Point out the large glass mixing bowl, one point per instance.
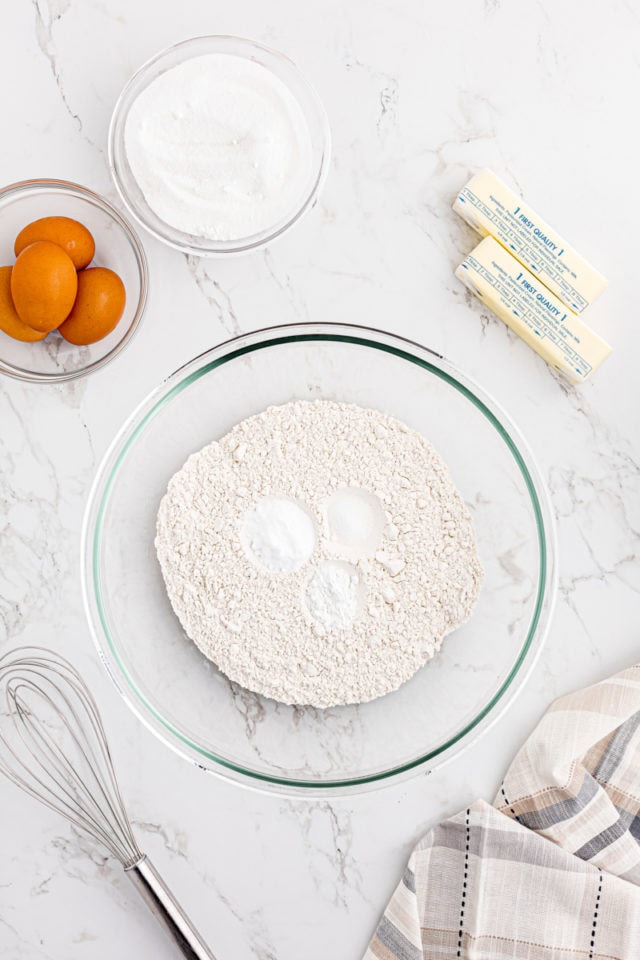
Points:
(222, 727)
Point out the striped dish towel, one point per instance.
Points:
(551, 871)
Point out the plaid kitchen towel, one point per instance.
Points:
(551, 871)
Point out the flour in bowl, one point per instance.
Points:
(318, 553)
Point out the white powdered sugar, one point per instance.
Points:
(318, 553)
(219, 147)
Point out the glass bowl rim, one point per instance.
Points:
(203, 364)
(177, 238)
(96, 199)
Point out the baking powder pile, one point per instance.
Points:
(318, 553)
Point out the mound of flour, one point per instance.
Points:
(318, 553)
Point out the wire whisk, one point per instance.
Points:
(53, 746)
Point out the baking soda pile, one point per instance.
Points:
(318, 553)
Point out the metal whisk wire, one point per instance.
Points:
(53, 746)
(51, 710)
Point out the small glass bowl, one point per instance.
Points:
(278, 64)
(218, 725)
(53, 360)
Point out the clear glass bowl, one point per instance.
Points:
(221, 727)
(117, 246)
(278, 64)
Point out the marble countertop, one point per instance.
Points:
(419, 96)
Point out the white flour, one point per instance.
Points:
(318, 553)
(219, 147)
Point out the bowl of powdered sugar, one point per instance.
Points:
(218, 145)
(318, 557)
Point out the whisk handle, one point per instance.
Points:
(164, 905)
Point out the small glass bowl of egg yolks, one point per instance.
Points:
(112, 270)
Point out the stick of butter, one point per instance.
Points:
(533, 312)
(491, 208)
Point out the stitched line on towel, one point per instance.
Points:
(511, 810)
(555, 788)
(595, 916)
(464, 883)
(494, 938)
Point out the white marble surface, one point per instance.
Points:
(419, 95)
